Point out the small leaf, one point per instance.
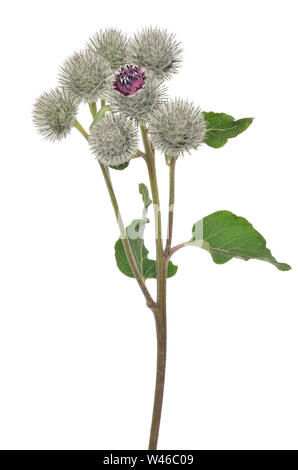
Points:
(172, 269)
(147, 267)
(221, 127)
(145, 195)
(100, 114)
(227, 236)
(120, 167)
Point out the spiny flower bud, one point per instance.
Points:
(86, 76)
(110, 44)
(54, 114)
(113, 139)
(177, 127)
(135, 93)
(157, 51)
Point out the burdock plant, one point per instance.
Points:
(128, 78)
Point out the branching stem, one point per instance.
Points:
(81, 129)
(138, 154)
(159, 308)
(177, 247)
(105, 171)
(106, 174)
(93, 109)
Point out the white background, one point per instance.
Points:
(77, 345)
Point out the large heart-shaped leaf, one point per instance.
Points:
(221, 127)
(227, 236)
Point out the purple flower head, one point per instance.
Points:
(129, 80)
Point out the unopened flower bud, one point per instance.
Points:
(177, 127)
(86, 76)
(157, 51)
(113, 140)
(110, 44)
(54, 114)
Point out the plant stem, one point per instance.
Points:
(159, 309)
(172, 166)
(160, 319)
(160, 314)
(125, 241)
(81, 129)
(147, 145)
(138, 154)
(177, 247)
(105, 171)
(161, 336)
(150, 161)
(93, 109)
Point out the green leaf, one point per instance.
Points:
(100, 114)
(145, 195)
(221, 127)
(147, 267)
(227, 236)
(120, 167)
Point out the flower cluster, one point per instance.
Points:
(130, 75)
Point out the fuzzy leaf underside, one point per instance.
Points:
(147, 267)
(227, 236)
(221, 127)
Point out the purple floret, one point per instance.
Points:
(129, 80)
